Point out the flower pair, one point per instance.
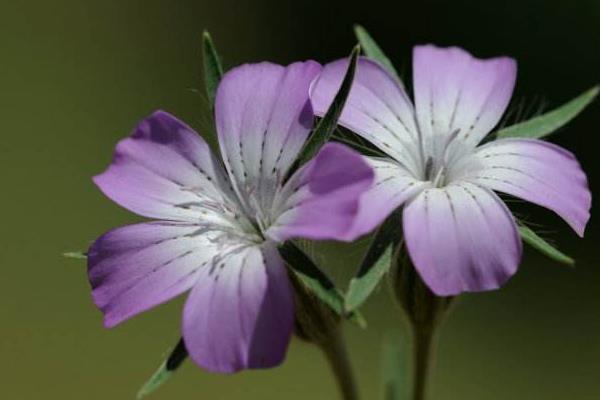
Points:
(220, 219)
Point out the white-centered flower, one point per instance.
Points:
(460, 235)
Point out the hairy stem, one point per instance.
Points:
(335, 351)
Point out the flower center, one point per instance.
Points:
(436, 175)
(442, 153)
(258, 211)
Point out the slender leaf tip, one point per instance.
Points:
(77, 255)
(537, 242)
(358, 28)
(213, 70)
(362, 287)
(327, 124)
(372, 50)
(545, 124)
(156, 380)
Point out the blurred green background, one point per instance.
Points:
(75, 76)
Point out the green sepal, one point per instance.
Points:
(326, 125)
(376, 262)
(77, 255)
(165, 371)
(213, 71)
(549, 122)
(316, 281)
(355, 142)
(535, 241)
(372, 49)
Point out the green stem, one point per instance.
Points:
(423, 349)
(337, 356)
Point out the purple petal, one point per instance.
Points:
(393, 185)
(263, 118)
(162, 169)
(136, 267)
(241, 313)
(539, 172)
(377, 108)
(321, 200)
(461, 238)
(455, 91)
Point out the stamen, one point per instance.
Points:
(260, 219)
(428, 167)
(438, 181)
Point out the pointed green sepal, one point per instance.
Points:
(78, 255)
(549, 122)
(213, 71)
(365, 282)
(165, 371)
(535, 241)
(326, 126)
(372, 49)
(376, 262)
(316, 281)
(355, 143)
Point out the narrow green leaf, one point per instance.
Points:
(166, 369)
(372, 49)
(549, 122)
(213, 71)
(375, 264)
(316, 280)
(535, 241)
(312, 276)
(78, 255)
(362, 286)
(156, 380)
(395, 357)
(326, 126)
(355, 142)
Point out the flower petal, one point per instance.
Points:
(321, 200)
(241, 313)
(136, 267)
(164, 170)
(377, 108)
(461, 238)
(456, 91)
(539, 172)
(393, 185)
(263, 118)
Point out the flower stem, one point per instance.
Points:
(337, 356)
(423, 348)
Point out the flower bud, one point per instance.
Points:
(423, 308)
(315, 320)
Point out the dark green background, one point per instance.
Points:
(75, 76)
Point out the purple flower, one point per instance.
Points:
(461, 237)
(217, 228)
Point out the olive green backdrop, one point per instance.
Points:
(75, 76)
